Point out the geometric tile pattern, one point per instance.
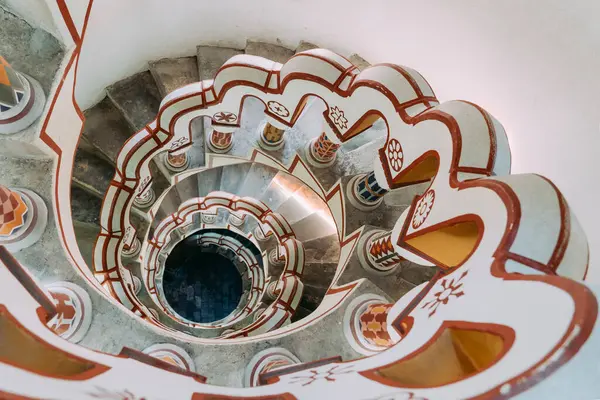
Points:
(373, 325)
(12, 211)
(382, 251)
(12, 89)
(324, 149)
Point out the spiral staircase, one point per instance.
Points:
(274, 241)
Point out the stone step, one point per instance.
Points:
(282, 186)
(377, 131)
(300, 313)
(209, 181)
(312, 296)
(318, 274)
(303, 46)
(257, 180)
(86, 235)
(138, 98)
(211, 58)
(359, 160)
(85, 207)
(30, 50)
(360, 62)
(314, 226)
(173, 73)
(301, 204)
(270, 51)
(187, 188)
(233, 176)
(92, 173)
(325, 249)
(106, 129)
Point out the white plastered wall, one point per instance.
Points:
(533, 64)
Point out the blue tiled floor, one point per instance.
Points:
(202, 287)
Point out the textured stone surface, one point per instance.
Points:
(209, 181)
(92, 173)
(357, 161)
(85, 207)
(233, 177)
(314, 226)
(106, 129)
(173, 73)
(319, 274)
(325, 249)
(197, 152)
(138, 99)
(187, 188)
(360, 62)
(312, 296)
(86, 235)
(303, 46)
(28, 49)
(211, 58)
(274, 196)
(257, 180)
(270, 51)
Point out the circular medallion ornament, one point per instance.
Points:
(225, 117)
(395, 155)
(278, 109)
(423, 208)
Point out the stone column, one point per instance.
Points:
(376, 252)
(177, 163)
(209, 219)
(74, 311)
(171, 354)
(145, 199)
(236, 219)
(23, 218)
(365, 324)
(133, 250)
(22, 99)
(321, 151)
(275, 260)
(265, 361)
(364, 192)
(258, 234)
(271, 137)
(220, 142)
(273, 290)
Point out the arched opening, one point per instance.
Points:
(448, 245)
(454, 353)
(422, 170)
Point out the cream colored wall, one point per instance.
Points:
(534, 67)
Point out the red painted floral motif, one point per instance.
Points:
(451, 287)
(326, 375)
(224, 116)
(278, 109)
(338, 118)
(179, 143)
(395, 155)
(423, 208)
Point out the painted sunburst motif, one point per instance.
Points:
(278, 109)
(451, 287)
(395, 155)
(338, 118)
(423, 208)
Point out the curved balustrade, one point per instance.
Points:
(284, 306)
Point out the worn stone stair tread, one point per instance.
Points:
(324, 249)
(173, 73)
(211, 58)
(312, 296)
(209, 181)
(30, 50)
(314, 226)
(270, 51)
(187, 188)
(257, 180)
(92, 173)
(360, 62)
(300, 313)
(357, 161)
(85, 207)
(138, 98)
(86, 235)
(233, 176)
(304, 46)
(279, 190)
(106, 129)
(319, 273)
(197, 152)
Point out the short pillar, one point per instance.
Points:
(22, 99)
(321, 151)
(209, 219)
(259, 235)
(178, 162)
(365, 324)
(364, 192)
(376, 252)
(146, 199)
(265, 361)
(220, 142)
(274, 258)
(236, 219)
(273, 290)
(132, 250)
(171, 354)
(73, 311)
(271, 137)
(23, 218)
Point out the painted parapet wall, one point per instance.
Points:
(536, 71)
